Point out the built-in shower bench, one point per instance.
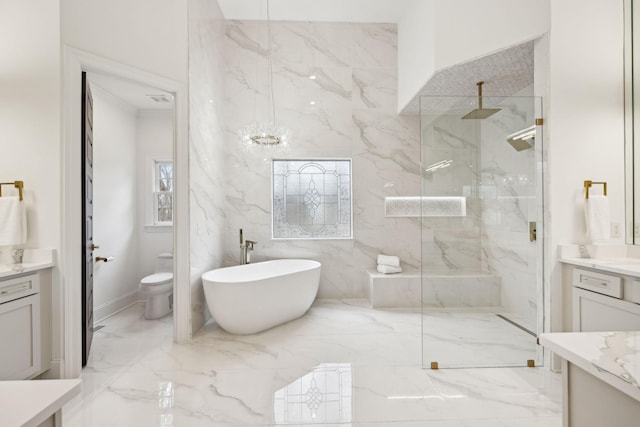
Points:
(394, 290)
(456, 289)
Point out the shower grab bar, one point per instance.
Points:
(18, 184)
(589, 183)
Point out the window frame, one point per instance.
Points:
(155, 180)
(313, 159)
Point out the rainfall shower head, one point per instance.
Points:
(480, 113)
(523, 139)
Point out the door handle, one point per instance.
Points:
(533, 234)
(94, 247)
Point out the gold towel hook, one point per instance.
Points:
(589, 183)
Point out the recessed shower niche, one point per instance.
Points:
(312, 199)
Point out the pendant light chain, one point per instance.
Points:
(271, 99)
(265, 134)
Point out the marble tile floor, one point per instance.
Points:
(342, 364)
(478, 339)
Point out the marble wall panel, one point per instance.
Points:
(207, 134)
(500, 185)
(507, 212)
(375, 88)
(347, 110)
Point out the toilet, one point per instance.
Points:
(157, 288)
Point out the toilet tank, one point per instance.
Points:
(164, 263)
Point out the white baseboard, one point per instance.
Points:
(114, 306)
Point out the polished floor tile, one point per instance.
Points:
(342, 364)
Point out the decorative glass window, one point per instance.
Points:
(163, 193)
(312, 199)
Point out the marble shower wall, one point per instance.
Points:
(451, 244)
(509, 203)
(347, 111)
(207, 146)
(500, 185)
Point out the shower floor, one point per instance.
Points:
(475, 339)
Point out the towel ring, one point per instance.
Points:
(589, 183)
(18, 184)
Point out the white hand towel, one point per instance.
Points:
(393, 261)
(596, 209)
(13, 221)
(387, 269)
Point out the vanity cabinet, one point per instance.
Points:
(604, 301)
(24, 326)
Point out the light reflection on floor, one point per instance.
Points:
(342, 364)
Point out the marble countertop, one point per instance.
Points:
(620, 259)
(33, 260)
(29, 403)
(625, 266)
(613, 357)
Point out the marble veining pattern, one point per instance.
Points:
(613, 357)
(206, 148)
(620, 356)
(342, 363)
(473, 159)
(335, 87)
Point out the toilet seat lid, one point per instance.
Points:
(157, 279)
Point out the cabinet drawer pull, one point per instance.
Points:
(594, 282)
(13, 290)
(605, 284)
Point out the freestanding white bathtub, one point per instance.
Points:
(245, 299)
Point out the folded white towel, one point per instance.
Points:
(393, 261)
(596, 209)
(13, 221)
(387, 269)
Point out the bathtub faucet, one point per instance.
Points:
(246, 246)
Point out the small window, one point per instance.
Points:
(163, 193)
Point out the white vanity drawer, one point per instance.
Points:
(597, 282)
(19, 287)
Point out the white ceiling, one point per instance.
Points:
(316, 10)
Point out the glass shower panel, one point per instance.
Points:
(481, 216)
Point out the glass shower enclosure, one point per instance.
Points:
(482, 212)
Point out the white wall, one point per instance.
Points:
(115, 199)
(585, 118)
(154, 134)
(30, 112)
(150, 35)
(459, 31)
(30, 124)
(416, 57)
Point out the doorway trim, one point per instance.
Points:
(67, 298)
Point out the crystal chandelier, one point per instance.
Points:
(265, 134)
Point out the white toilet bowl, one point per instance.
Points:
(157, 288)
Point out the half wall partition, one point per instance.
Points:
(481, 161)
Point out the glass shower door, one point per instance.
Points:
(481, 222)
